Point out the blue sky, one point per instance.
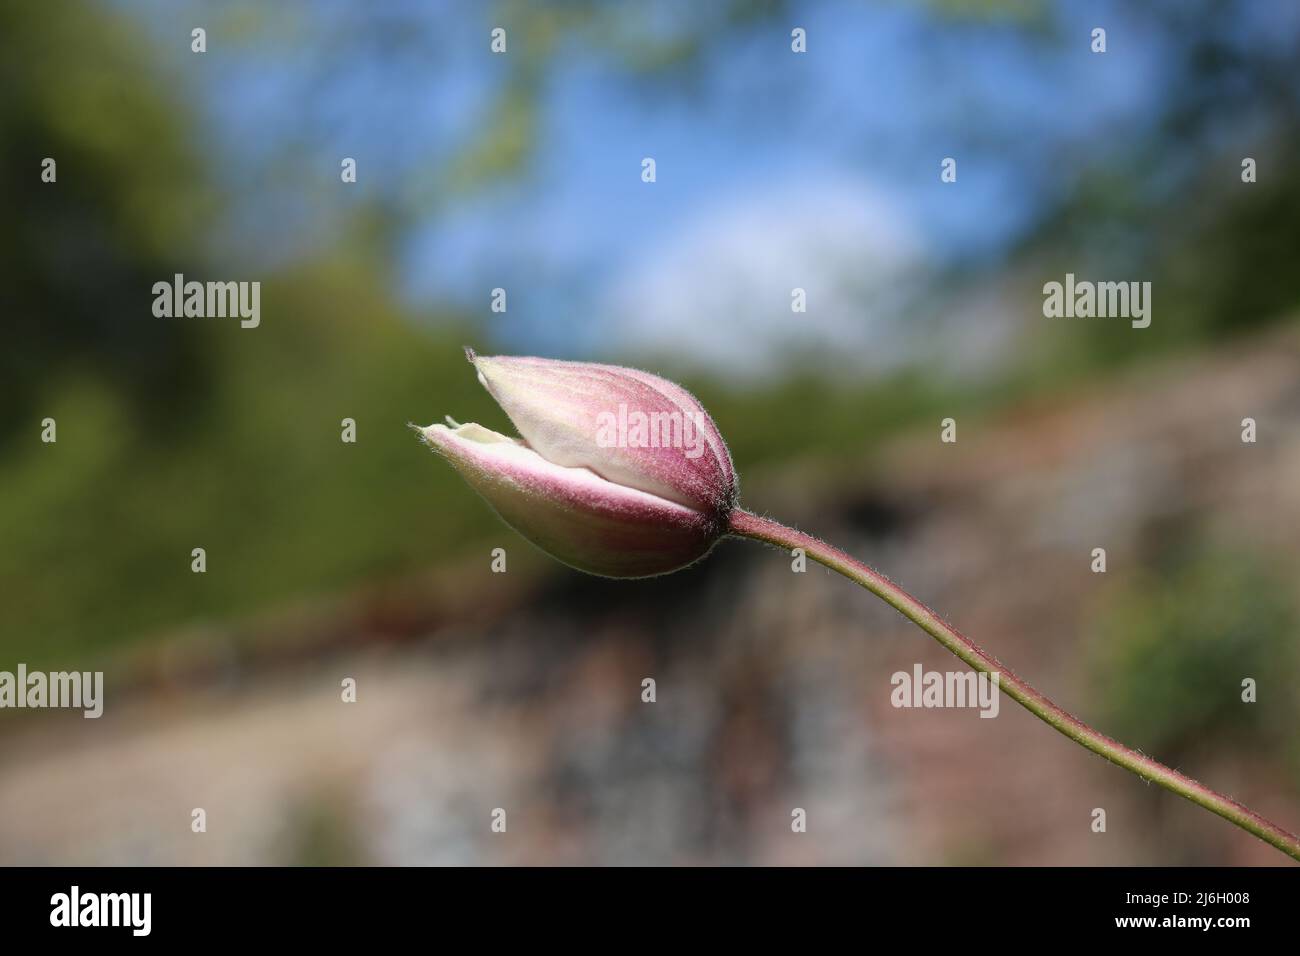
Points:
(761, 156)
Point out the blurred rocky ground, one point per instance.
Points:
(522, 691)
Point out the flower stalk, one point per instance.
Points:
(621, 473)
(745, 524)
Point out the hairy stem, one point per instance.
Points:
(747, 525)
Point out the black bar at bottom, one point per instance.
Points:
(605, 906)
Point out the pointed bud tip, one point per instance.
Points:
(470, 355)
(425, 433)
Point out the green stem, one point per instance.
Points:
(747, 525)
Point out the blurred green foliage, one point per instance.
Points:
(78, 258)
(98, 528)
(322, 830)
(177, 435)
(1176, 643)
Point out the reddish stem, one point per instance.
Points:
(747, 525)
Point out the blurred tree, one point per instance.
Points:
(78, 256)
(193, 433)
(1164, 198)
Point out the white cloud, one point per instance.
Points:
(716, 292)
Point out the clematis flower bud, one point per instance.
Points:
(617, 472)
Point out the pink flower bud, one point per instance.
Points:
(618, 472)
